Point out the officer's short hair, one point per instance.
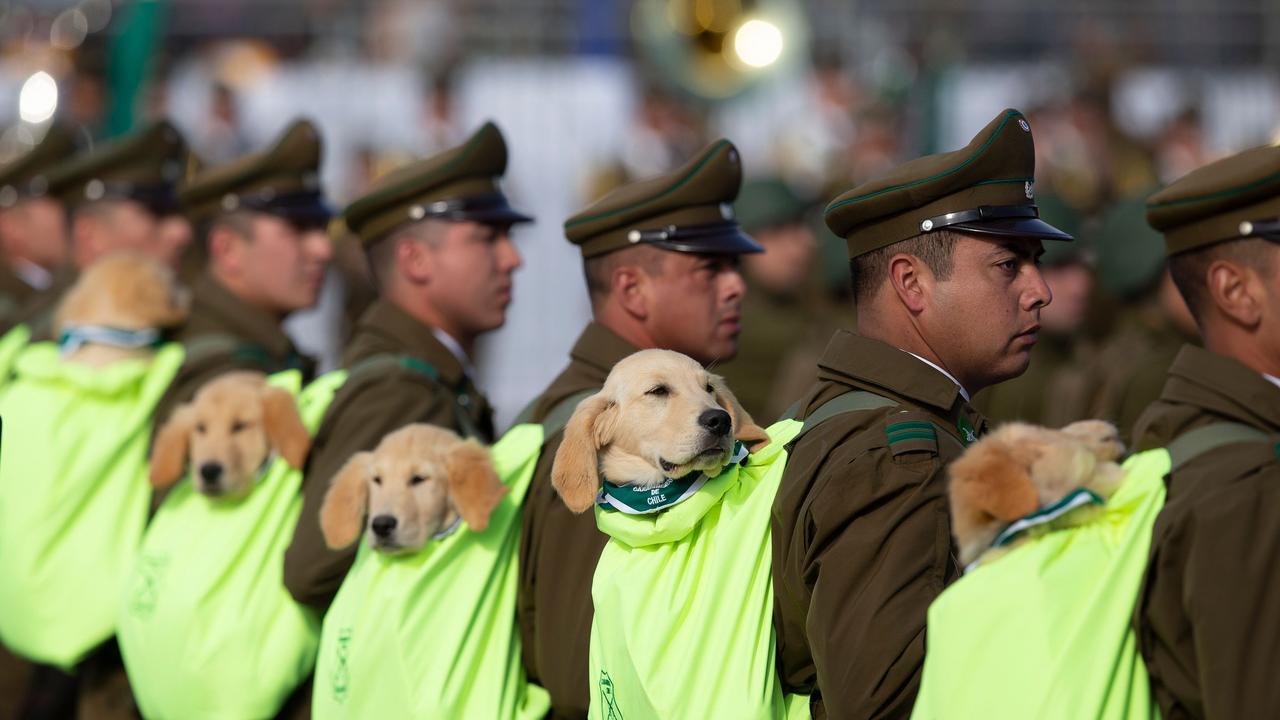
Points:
(1189, 269)
(381, 253)
(871, 270)
(599, 269)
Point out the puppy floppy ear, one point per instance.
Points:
(575, 474)
(744, 428)
(474, 487)
(988, 488)
(283, 426)
(342, 514)
(172, 443)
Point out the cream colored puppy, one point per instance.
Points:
(418, 483)
(117, 308)
(1021, 468)
(228, 431)
(660, 415)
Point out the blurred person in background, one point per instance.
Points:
(1151, 322)
(221, 138)
(120, 196)
(1056, 388)
(664, 130)
(33, 224)
(787, 320)
(264, 219)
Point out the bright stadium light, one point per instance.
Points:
(38, 98)
(758, 43)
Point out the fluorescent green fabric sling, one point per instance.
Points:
(432, 635)
(73, 496)
(683, 623)
(207, 629)
(1044, 631)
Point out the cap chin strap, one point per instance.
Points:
(459, 208)
(77, 336)
(1265, 229)
(979, 214)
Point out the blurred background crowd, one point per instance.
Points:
(818, 95)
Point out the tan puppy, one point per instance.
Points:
(1019, 469)
(123, 291)
(660, 415)
(228, 430)
(418, 482)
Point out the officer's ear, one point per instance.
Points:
(284, 427)
(575, 474)
(474, 487)
(342, 513)
(744, 428)
(172, 445)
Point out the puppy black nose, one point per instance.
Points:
(717, 421)
(211, 471)
(383, 525)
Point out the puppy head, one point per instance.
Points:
(659, 415)
(417, 482)
(228, 430)
(1020, 468)
(124, 290)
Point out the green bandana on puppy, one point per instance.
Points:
(642, 501)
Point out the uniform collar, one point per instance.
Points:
(881, 366)
(398, 333)
(600, 348)
(1272, 379)
(1217, 383)
(963, 393)
(455, 349)
(233, 316)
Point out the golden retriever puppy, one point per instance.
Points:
(660, 415)
(1021, 468)
(418, 483)
(116, 309)
(229, 430)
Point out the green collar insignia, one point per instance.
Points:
(636, 501)
(967, 433)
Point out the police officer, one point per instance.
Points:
(943, 253)
(121, 196)
(1206, 623)
(263, 220)
(33, 224)
(661, 263)
(438, 237)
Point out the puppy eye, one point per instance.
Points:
(417, 480)
(200, 428)
(710, 389)
(659, 391)
(238, 425)
(377, 480)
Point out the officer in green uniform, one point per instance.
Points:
(438, 236)
(1150, 326)
(33, 225)
(661, 263)
(943, 254)
(1057, 387)
(120, 196)
(263, 220)
(1206, 621)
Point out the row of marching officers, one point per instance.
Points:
(194, 525)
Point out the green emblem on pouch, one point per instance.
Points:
(607, 699)
(146, 591)
(340, 681)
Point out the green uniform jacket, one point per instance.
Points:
(1206, 619)
(370, 405)
(254, 339)
(861, 535)
(559, 550)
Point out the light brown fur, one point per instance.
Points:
(627, 431)
(1020, 468)
(454, 477)
(233, 422)
(127, 291)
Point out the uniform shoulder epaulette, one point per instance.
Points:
(911, 431)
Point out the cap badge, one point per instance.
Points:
(1030, 189)
(230, 201)
(926, 226)
(94, 189)
(726, 211)
(1022, 123)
